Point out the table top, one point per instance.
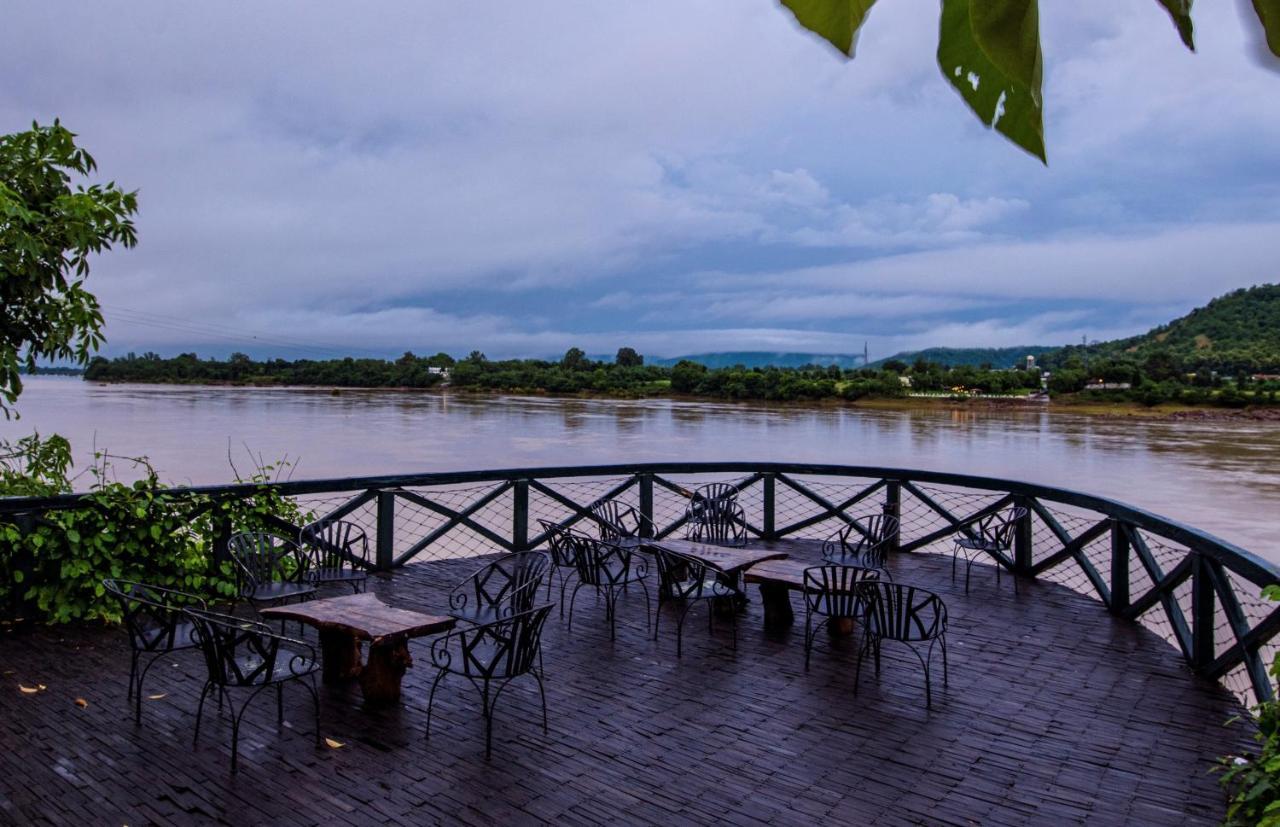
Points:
(728, 559)
(789, 573)
(363, 615)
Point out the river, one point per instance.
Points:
(1217, 475)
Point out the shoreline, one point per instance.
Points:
(1092, 408)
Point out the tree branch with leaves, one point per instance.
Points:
(989, 51)
(49, 229)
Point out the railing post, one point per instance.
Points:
(1202, 612)
(646, 505)
(768, 526)
(893, 508)
(1023, 538)
(1119, 569)
(520, 516)
(386, 540)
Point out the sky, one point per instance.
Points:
(679, 176)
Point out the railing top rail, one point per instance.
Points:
(1230, 555)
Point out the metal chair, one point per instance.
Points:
(156, 625)
(560, 543)
(338, 552)
(831, 593)
(271, 569)
(507, 586)
(617, 521)
(689, 579)
(912, 616)
(610, 570)
(712, 495)
(720, 522)
(246, 654)
(863, 543)
(492, 652)
(992, 535)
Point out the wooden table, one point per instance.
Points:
(728, 559)
(344, 622)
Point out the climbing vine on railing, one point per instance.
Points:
(51, 569)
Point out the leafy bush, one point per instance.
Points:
(1254, 781)
(53, 566)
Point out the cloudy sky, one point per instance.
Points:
(678, 176)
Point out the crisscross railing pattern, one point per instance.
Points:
(1199, 593)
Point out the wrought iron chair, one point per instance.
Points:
(863, 543)
(831, 593)
(719, 521)
(617, 521)
(711, 495)
(689, 579)
(247, 654)
(912, 616)
(610, 570)
(992, 535)
(492, 652)
(563, 549)
(507, 586)
(338, 552)
(271, 569)
(156, 624)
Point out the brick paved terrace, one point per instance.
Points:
(1056, 713)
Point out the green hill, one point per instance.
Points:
(757, 359)
(950, 357)
(1235, 333)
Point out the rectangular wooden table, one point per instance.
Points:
(728, 559)
(344, 622)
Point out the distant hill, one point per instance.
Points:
(1236, 332)
(998, 357)
(760, 359)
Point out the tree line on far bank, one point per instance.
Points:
(1157, 379)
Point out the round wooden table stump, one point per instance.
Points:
(339, 655)
(381, 677)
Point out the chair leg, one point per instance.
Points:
(200, 708)
(955, 552)
(133, 673)
(488, 721)
(315, 703)
(279, 703)
(537, 674)
(572, 598)
(648, 606)
(431, 699)
(657, 614)
(968, 568)
(808, 639)
(942, 638)
(857, 665)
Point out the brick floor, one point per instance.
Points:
(1055, 714)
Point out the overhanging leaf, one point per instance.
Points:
(1269, 15)
(989, 50)
(1180, 11)
(837, 21)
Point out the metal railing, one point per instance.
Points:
(1200, 593)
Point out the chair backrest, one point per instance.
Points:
(263, 558)
(237, 652)
(901, 612)
(507, 586)
(996, 529)
(686, 576)
(616, 520)
(833, 590)
(602, 563)
(335, 545)
(503, 648)
(865, 540)
(708, 499)
(722, 522)
(152, 614)
(559, 543)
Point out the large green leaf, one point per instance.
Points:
(1269, 14)
(1180, 11)
(837, 21)
(989, 50)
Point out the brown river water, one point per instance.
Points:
(1221, 476)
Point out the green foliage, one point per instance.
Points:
(989, 50)
(52, 569)
(628, 358)
(997, 42)
(408, 371)
(1253, 781)
(48, 231)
